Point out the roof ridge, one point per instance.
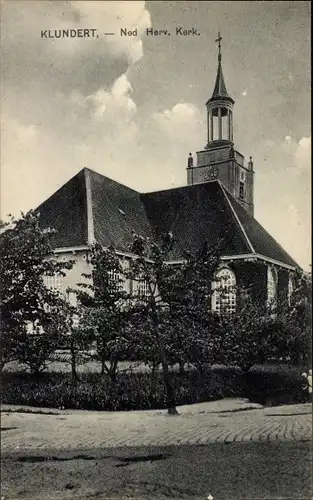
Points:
(225, 192)
(110, 179)
(256, 222)
(90, 221)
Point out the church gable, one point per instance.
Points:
(195, 215)
(66, 212)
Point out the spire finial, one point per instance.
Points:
(218, 40)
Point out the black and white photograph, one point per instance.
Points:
(155, 250)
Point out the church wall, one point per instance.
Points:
(199, 174)
(74, 275)
(81, 266)
(282, 286)
(226, 175)
(212, 156)
(253, 277)
(249, 191)
(190, 176)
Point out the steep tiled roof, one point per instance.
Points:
(195, 215)
(66, 211)
(117, 211)
(91, 204)
(220, 91)
(262, 242)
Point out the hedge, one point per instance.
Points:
(141, 391)
(131, 391)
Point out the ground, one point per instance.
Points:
(235, 471)
(229, 449)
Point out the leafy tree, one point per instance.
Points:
(74, 341)
(175, 305)
(36, 345)
(255, 334)
(31, 313)
(250, 335)
(297, 318)
(103, 311)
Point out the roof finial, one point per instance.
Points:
(218, 40)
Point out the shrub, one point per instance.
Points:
(275, 384)
(132, 391)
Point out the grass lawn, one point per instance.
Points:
(235, 471)
(89, 367)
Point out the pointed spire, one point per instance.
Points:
(220, 91)
(220, 87)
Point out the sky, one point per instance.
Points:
(133, 107)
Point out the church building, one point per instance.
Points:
(215, 207)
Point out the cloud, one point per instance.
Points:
(185, 112)
(67, 104)
(104, 122)
(111, 17)
(284, 174)
(117, 104)
(24, 22)
(67, 63)
(302, 154)
(102, 131)
(183, 123)
(96, 131)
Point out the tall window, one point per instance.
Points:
(142, 289)
(224, 294)
(55, 283)
(241, 190)
(271, 286)
(291, 288)
(118, 275)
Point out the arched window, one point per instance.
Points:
(271, 287)
(291, 287)
(224, 294)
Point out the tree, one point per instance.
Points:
(75, 341)
(188, 293)
(250, 335)
(175, 303)
(255, 334)
(103, 311)
(31, 313)
(297, 317)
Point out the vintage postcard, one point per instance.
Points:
(155, 250)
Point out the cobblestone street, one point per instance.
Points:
(227, 421)
(66, 454)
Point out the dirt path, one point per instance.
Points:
(235, 471)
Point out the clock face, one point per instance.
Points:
(211, 173)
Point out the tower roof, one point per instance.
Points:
(220, 91)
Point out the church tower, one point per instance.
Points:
(220, 160)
